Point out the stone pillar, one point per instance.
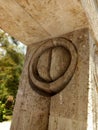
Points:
(32, 107)
(74, 108)
(55, 91)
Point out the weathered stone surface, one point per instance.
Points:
(60, 61)
(31, 21)
(57, 60)
(43, 65)
(70, 108)
(56, 16)
(31, 109)
(91, 10)
(59, 68)
(18, 23)
(92, 117)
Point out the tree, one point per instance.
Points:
(11, 63)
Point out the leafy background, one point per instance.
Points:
(11, 64)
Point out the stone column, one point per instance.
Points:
(74, 108)
(32, 107)
(55, 91)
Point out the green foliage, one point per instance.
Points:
(5, 113)
(11, 64)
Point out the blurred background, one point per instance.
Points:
(12, 55)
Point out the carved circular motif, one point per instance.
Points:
(53, 65)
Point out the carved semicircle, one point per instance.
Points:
(53, 65)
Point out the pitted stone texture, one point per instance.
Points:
(31, 109)
(32, 21)
(43, 66)
(91, 10)
(60, 61)
(57, 59)
(69, 108)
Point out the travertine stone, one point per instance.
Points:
(70, 108)
(60, 61)
(32, 109)
(60, 66)
(56, 16)
(92, 118)
(54, 59)
(18, 23)
(31, 21)
(91, 10)
(43, 66)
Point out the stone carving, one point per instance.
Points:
(53, 65)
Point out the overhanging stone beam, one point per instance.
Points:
(33, 21)
(18, 23)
